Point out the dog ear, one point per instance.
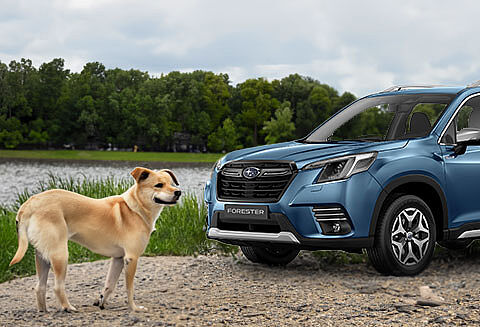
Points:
(168, 171)
(140, 174)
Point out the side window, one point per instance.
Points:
(463, 117)
(450, 135)
(465, 125)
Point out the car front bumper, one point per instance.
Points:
(291, 220)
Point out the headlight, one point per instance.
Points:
(342, 167)
(217, 166)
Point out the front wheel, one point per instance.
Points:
(405, 238)
(272, 255)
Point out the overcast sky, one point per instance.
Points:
(358, 46)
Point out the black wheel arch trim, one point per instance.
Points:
(414, 178)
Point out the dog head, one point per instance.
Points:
(159, 187)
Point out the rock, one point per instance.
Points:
(438, 320)
(405, 308)
(461, 316)
(253, 314)
(428, 303)
(429, 298)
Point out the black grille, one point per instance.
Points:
(272, 181)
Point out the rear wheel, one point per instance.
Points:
(272, 255)
(405, 238)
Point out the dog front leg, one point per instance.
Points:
(130, 269)
(116, 266)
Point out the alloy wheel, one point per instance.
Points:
(410, 236)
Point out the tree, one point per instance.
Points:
(10, 132)
(313, 111)
(257, 105)
(225, 138)
(53, 106)
(281, 128)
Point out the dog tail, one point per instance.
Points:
(22, 239)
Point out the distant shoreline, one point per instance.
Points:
(154, 159)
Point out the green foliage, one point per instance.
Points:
(10, 132)
(225, 138)
(257, 105)
(281, 128)
(178, 230)
(111, 155)
(51, 106)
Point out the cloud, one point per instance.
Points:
(357, 46)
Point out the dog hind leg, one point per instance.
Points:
(43, 267)
(116, 266)
(59, 262)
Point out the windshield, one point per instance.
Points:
(383, 118)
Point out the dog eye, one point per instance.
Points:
(159, 185)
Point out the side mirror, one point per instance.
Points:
(466, 137)
(460, 148)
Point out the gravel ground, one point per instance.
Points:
(217, 291)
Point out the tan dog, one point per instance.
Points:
(117, 226)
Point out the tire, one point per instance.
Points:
(456, 244)
(273, 255)
(405, 238)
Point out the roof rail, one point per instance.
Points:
(409, 87)
(474, 84)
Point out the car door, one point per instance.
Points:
(462, 172)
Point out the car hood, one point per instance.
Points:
(305, 153)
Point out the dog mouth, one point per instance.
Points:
(159, 201)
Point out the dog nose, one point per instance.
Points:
(177, 193)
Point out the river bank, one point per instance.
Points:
(81, 155)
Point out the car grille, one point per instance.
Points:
(272, 181)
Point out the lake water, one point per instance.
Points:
(18, 175)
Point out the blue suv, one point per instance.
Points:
(393, 173)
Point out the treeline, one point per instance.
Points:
(51, 107)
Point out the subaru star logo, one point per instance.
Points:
(251, 172)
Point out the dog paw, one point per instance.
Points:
(100, 304)
(70, 309)
(139, 308)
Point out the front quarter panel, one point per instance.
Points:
(417, 158)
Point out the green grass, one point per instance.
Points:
(179, 228)
(110, 155)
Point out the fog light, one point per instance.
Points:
(336, 228)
